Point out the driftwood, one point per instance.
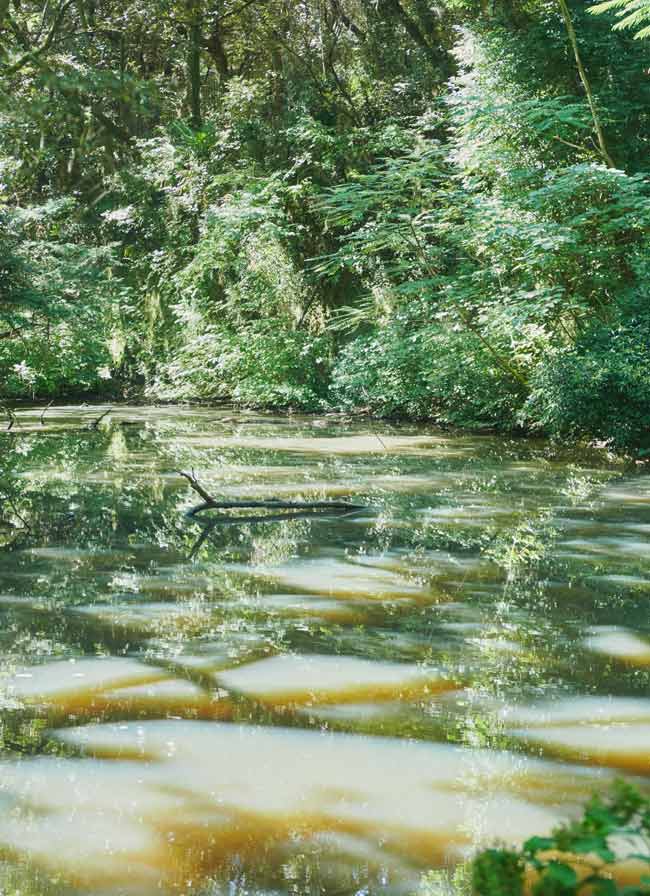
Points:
(211, 503)
(207, 528)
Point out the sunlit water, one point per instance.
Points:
(323, 704)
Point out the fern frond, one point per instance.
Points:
(633, 14)
(609, 5)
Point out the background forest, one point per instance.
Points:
(433, 210)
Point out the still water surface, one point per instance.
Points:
(313, 704)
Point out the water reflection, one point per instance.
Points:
(311, 703)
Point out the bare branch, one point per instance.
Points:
(10, 416)
(44, 411)
(95, 423)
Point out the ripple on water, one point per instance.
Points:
(341, 445)
(612, 731)
(620, 644)
(210, 792)
(302, 679)
(315, 614)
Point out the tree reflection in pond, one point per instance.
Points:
(304, 655)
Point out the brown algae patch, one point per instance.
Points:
(612, 731)
(620, 745)
(85, 687)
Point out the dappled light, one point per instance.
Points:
(370, 694)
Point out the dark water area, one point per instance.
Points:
(321, 704)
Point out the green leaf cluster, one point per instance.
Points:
(578, 857)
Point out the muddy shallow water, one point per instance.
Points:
(314, 704)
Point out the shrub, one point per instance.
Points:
(598, 388)
(429, 372)
(257, 365)
(58, 307)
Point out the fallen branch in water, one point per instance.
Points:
(211, 503)
(10, 415)
(95, 423)
(207, 528)
(44, 411)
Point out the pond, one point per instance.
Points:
(305, 702)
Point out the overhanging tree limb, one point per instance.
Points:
(347, 21)
(33, 54)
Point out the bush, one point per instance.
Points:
(425, 373)
(243, 326)
(258, 365)
(58, 307)
(598, 388)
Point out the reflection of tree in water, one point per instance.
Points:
(94, 525)
(112, 502)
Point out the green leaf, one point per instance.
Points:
(596, 845)
(538, 844)
(562, 873)
(602, 886)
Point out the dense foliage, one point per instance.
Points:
(431, 210)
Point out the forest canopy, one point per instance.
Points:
(431, 210)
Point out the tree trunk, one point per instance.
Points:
(194, 63)
(217, 51)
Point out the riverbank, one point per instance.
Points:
(599, 451)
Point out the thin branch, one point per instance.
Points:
(568, 24)
(571, 145)
(41, 27)
(196, 485)
(10, 416)
(347, 21)
(95, 423)
(44, 411)
(10, 334)
(33, 54)
(12, 505)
